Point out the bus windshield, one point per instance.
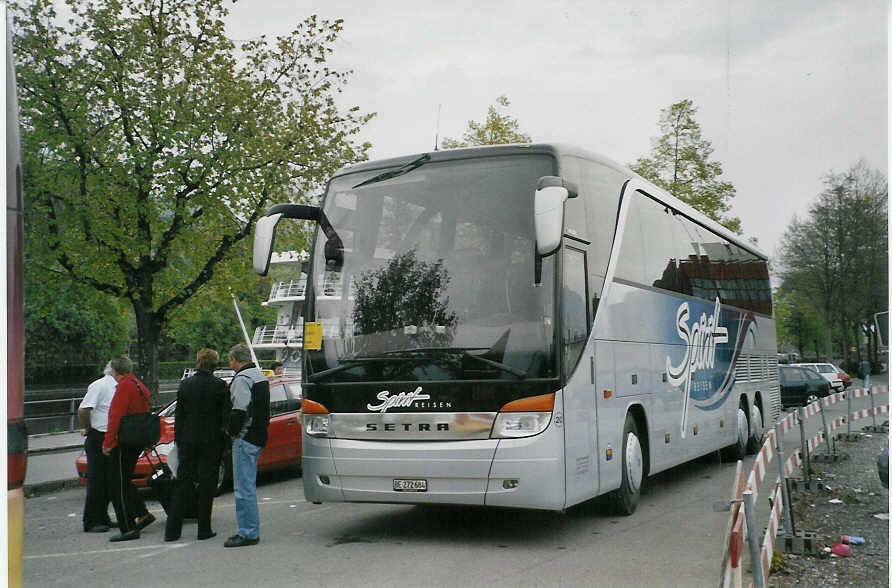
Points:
(437, 277)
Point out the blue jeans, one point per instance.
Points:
(244, 477)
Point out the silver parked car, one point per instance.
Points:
(828, 372)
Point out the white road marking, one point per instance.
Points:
(93, 552)
(163, 549)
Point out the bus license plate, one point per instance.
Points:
(410, 485)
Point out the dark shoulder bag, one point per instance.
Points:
(139, 429)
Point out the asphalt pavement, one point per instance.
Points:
(674, 539)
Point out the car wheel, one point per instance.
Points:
(754, 444)
(626, 497)
(811, 398)
(737, 450)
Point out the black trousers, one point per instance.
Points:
(96, 503)
(127, 502)
(198, 465)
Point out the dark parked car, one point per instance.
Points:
(800, 386)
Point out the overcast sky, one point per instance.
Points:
(785, 91)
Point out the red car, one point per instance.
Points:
(283, 448)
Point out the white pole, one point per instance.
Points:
(245, 332)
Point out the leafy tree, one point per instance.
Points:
(841, 246)
(498, 129)
(209, 320)
(69, 324)
(679, 163)
(797, 323)
(152, 143)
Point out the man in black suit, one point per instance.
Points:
(202, 406)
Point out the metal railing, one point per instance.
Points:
(279, 335)
(743, 531)
(290, 289)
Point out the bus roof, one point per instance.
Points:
(558, 150)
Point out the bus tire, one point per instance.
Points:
(625, 498)
(737, 450)
(755, 439)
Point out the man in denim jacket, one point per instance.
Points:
(248, 422)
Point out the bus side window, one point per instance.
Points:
(574, 312)
(659, 249)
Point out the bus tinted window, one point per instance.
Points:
(599, 190)
(630, 265)
(660, 249)
(573, 308)
(663, 249)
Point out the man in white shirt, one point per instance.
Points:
(93, 416)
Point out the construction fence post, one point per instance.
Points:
(805, 469)
(873, 409)
(849, 415)
(788, 516)
(752, 538)
(826, 429)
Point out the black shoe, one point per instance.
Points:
(128, 536)
(144, 521)
(171, 537)
(209, 535)
(239, 541)
(97, 529)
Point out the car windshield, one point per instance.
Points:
(437, 277)
(812, 375)
(826, 369)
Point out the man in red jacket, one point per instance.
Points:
(131, 396)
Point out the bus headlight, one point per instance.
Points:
(510, 425)
(317, 425)
(316, 419)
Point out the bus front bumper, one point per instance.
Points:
(518, 473)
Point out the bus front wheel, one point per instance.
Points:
(625, 498)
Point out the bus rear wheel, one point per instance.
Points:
(626, 497)
(754, 444)
(737, 450)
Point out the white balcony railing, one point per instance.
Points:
(290, 289)
(277, 335)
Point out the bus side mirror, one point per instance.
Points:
(264, 232)
(548, 207)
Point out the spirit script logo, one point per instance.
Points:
(402, 399)
(700, 339)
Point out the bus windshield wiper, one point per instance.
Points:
(464, 351)
(396, 172)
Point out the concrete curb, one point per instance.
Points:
(61, 449)
(32, 490)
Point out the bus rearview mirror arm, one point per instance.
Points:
(265, 231)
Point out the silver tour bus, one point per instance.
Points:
(526, 326)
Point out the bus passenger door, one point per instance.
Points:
(581, 467)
